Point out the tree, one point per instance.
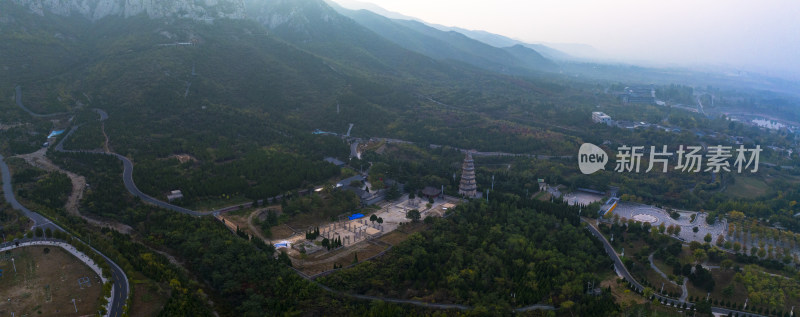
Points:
(699, 255)
(568, 306)
(373, 218)
(677, 230)
(695, 229)
(736, 215)
(737, 246)
(707, 238)
(393, 192)
(703, 307)
(414, 215)
(728, 291)
(727, 264)
(647, 292)
(38, 232)
(380, 220)
(720, 241)
(411, 195)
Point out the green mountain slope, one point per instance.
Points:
(260, 84)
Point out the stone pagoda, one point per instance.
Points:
(468, 187)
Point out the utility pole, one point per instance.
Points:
(492, 181)
(14, 264)
(662, 288)
(73, 305)
(487, 195)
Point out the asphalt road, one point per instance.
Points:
(121, 287)
(127, 174)
(127, 178)
(18, 95)
(8, 194)
(623, 271)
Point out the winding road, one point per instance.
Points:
(620, 268)
(127, 173)
(684, 290)
(18, 97)
(121, 287)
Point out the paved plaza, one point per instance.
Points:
(393, 213)
(580, 197)
(656, 216)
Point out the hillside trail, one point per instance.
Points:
(39, 160)
(253, 228)
(105, 144)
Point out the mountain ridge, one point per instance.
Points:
(94, 10)
(446, 45)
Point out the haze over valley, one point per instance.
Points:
(399, 158)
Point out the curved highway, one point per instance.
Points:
(127, 174)
(121, 287)
(18, 97)
(130, 185)
(623, 271)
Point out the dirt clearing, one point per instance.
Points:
(46, 282)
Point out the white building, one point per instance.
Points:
(599, 117)
(174, 195)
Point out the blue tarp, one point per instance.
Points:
(356, 216)
(54, 133)
(281, 245)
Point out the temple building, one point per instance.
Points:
(468, 187)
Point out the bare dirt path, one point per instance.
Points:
(251, 224)
(39, 160)
(105, 145)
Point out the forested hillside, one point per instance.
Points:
(510, 253)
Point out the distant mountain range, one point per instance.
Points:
(553, 51)
(98, 9)
(450, 45)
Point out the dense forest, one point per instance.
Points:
(508, 253)
(260, 174)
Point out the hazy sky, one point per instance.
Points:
(747, 34)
